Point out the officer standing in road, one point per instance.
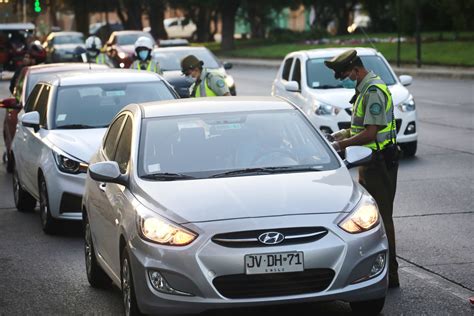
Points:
(373, 126)
(206, 83)
(93, 46)
(143, 48)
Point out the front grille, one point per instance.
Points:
(277, 284)
(249, 238)
(344, 125)
(70, 203)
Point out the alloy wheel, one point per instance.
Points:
(44, 207)
(126, 291)
(88, 248)
(16, 187)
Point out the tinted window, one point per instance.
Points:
(122, 155)
(130, 39)
(42, 104)
(30, 102)
(68, 39)
(286, 69)
(297, 72)
(111, 138)
(321, 77)
(171, 59)
(95, 105)
(203, 145)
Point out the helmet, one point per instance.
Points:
(37, 52)
(143, 42)
(190, 62)
(93, 43)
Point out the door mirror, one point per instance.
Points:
(10, 103)
(228, 65)
(292, 86)
(31, 119)
(406, 80)
(107, 171)
(357, 155)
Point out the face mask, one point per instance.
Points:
(348, 83)
(143, 55)
(190, 79)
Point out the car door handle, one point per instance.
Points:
(102, 186)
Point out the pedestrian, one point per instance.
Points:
(143, 61)
(205, 82)
(28, 60)
(372, 126)
(94, 55)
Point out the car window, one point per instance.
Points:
(296, 75)
(30, 102)
(112, 135)
(122, 154)
(130, 39)
(75, 104)
(207, 144)
(286, 69)
(174, 23)
(42, 104)
(68, 39)
(170, 59)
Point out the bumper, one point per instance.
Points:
(192, 269)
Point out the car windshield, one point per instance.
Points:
(68, 39)
(130, 39)
(227, 144)
(321, 77)
(171, 59)
(92, 106)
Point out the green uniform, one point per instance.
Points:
(148, 65)
(209, 84)
(374, 106)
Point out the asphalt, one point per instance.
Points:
(425, 71)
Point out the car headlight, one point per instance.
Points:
(122, 55)
(364, 217)
(408, 105)
(325, 109)
(69, 165)
(229, 81)
(157, 229)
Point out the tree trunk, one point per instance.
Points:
(203, 24)
(228, 24)
(81, 16)
(134, 10)
(157, 15)
(120, 14)
(52, 12)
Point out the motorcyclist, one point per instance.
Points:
(94, 55)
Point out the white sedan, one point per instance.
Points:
(61, 126)
(307, 82)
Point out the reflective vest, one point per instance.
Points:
(204, 90)
(386, 135)
(151, 64)
(100, 59)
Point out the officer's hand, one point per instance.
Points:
(340, 135)
(336, 146)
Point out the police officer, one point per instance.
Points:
(373, 126)
(206, 83)
(94, 55)
(143, 61)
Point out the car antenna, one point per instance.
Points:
(351, 29)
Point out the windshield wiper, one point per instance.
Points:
(267, 170)
(78, 126)
(167, 176)
(328, 86)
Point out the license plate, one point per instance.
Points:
(274, 262)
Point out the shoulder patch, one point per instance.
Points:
(375, 109)
(220, 83)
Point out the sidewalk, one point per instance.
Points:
(425, 71)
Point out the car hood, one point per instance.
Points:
(79, 143)
(251, 196)
(341, 97)
(67, 48)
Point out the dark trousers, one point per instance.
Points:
(381, 182)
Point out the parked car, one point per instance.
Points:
(28, 78)
(63, 122)
(229, 202)
(60, 46)
(170, 58)
(120, 47)
(306, 81)
(180, 27)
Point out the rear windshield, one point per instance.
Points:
(171, 60)
(68, 39)
(130, 39)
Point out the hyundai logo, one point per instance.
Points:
(271, 238)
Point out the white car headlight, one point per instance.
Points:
(157, 229)
(407, 105)
(229, 81)
(363, 218)
(325, 109)
(69, 165)
(122, 55)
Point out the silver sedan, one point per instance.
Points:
(226, 202)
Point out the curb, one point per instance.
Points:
(442, 72)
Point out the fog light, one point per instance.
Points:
(411, 128)
(160, 284)
(378, 265)
(326, 130)
(122, 65)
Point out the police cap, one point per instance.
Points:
(342, 62)
(190, 62)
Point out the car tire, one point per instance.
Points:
(24, 201)
(9, 162)
(372, 307)
(128, 290)
(95, 274)
(48, 223)
(409, 149)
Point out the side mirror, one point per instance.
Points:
(31, 119)
(357, 155)
(228, 65)
(10, 103)
(406, 80)
(107, 171)
(292, 86)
